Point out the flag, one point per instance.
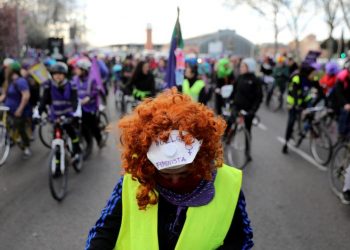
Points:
(176, 60)
(95, 75)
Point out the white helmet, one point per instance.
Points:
(84, 63)
(8, 61)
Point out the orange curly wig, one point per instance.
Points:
(154, 119)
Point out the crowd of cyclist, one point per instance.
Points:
(71, 86)
(69, 93)
(306, 86)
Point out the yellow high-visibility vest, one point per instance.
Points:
(205, 227)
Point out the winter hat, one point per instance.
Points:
(251, 64)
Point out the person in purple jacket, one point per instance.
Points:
(62, 98)
(16, 95)
(88, 95)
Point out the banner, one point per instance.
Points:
(39, 73)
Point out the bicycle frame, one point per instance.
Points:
(61, 141)
(58, 142)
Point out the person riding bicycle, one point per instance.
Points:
(61, 96)
(88, 95)
(176, 192)
(142, 82)
(300, 95)
(247, 95)
(159, 75)
(280, 74)
(342, 95)
(193, 86)
(224, 76)
(16, 95)
(127, 71)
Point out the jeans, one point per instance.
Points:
(293, 115)
(90, 127)
(22, 125)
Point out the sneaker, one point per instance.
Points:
(76, 158)
(285, 149)
(26, 153)
(346, 197)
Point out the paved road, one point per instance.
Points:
(289, 201)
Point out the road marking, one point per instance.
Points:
(303, 154)
(262, 126)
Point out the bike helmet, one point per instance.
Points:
(8, 61)
(332, 68)
(59, 67)
(84, 64)
(117, 68)
(49, 62)
(15, 66)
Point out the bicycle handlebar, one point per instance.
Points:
(4, 108)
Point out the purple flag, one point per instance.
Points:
(176, 42)
(95, 76)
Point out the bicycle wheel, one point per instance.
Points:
(102, 125)
(45, 133)
(275, 102)
(4, 145)
(297, 131)
(119, 102)
(235, 152)
(86, 148)
(58, 174)
(321, 145)
(338, 168)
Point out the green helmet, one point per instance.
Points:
(15, 66)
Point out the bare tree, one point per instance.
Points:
(297, 16)
(345, 8)
(294, 14)
(330, 9)
(269, 9)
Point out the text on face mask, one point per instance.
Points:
(164, 164)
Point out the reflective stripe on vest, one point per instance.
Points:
(194, 90)
(290, 98)
(61, 103)
(139, 228)
(140, 94)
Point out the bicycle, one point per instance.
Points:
(274, 99)
(8, 135)
(4, 137)
(46, 134)
(130, 103)
(45, 131)
(307, 125)
(60, 158)
(237, 142)
(103, 124)
(339, 167)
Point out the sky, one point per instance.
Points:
(125, 21)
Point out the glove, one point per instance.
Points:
(36, 114)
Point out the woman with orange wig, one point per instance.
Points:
(176, 192)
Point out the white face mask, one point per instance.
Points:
(174, 153)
